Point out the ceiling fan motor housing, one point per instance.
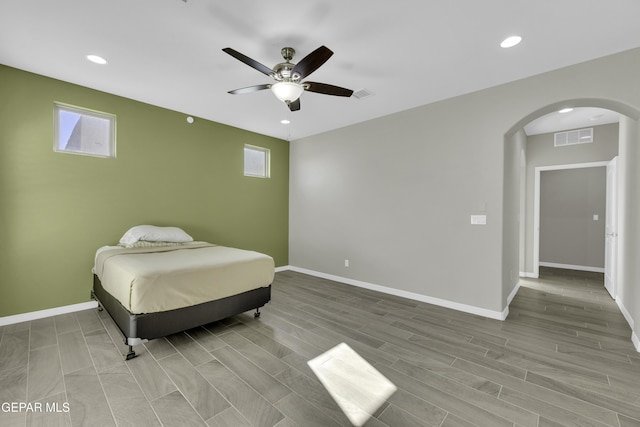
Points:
(282, 71)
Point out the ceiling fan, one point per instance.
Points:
(288, 76)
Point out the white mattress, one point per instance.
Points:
(150, 280)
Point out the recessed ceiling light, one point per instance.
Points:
(510, 41)
(565, 110)
(97, 59)
(285, 121)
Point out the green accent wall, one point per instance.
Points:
(56, 209)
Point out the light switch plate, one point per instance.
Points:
(478, 219)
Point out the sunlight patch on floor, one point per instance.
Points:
(356, 386)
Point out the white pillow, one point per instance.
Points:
(146, 244)
(151, 233)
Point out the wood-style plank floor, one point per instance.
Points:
(562, 358)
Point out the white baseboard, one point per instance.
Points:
(634, 336)
(405, 294)
(513, 293)
(283, 268)
(572, 267)
(510, 298)
(635, 341)
(625, 313)
(528, 275)
(41, 314)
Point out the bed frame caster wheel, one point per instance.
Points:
(257, 313)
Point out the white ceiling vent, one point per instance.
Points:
(362, 93)
(573, 137)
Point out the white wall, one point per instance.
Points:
(628, 297)
(394, 195)
(515, 149)
(377, 194)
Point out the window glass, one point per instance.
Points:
(256, 161)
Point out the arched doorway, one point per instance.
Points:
(629, 242)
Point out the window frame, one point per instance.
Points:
(109, 138)
(267, 161)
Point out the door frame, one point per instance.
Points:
(611, 234)
(536, 205)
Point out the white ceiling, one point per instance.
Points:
(407, 52)
(577, 118)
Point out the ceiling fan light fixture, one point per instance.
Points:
(287, 91)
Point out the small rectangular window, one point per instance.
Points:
(256, 161)
(81, 131)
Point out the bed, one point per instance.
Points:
(157, 281)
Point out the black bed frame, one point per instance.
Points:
(138, 327)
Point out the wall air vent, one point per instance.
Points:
(573, 137)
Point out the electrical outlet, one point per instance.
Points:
(346, 263)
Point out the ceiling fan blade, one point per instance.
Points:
(249, 89)
(294, 105)
(327, 89)
(250, 62)
(312, 62)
